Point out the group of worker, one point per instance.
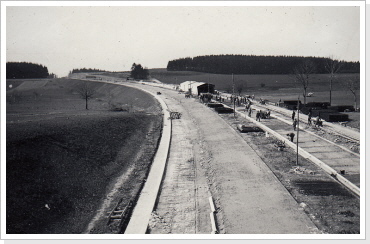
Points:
(318, 122)
(259, 114)
(266, 114)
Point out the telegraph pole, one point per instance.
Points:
(297, 127)
(233, 97)
(208, 82)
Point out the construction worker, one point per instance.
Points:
(309, 119)
(258, 115)
(291, 136)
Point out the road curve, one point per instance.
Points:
(248, 197)
(145, 205)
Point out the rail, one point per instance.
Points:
(333, 173)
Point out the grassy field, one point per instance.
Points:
(51, 95)
(275, 86)
(63, 159)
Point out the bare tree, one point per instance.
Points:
(332, 66)
(353, 85)
(86, 92)
(302, 74)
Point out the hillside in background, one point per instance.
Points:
(250, 64)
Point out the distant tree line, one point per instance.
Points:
(84, 70)
(24, 70)
(251, 64)
(52, 75)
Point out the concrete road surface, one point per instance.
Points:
(207, 155)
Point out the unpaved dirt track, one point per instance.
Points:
(183, 204)
(207, 153)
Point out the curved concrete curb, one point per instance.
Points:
(142, 212)
(212, 216)
(306, 155)
(141, 215)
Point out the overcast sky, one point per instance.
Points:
(112, 38)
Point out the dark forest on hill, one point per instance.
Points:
(24, 70)
(251, 64)
(85, 70)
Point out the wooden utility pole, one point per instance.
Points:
(233, 97)
(297, 127)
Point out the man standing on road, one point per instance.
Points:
(291, 136)
(293, 115)
(258, 115)
(250, 112)
(309, 119)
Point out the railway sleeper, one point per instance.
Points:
(116, 217)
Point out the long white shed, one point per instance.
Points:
(191, 86)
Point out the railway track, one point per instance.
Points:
(349, 138)
(346, 133)
(331, 132)
(338, 161)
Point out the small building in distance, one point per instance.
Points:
(196, 88)
(93, 77)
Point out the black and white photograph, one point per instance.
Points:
(182, 120)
